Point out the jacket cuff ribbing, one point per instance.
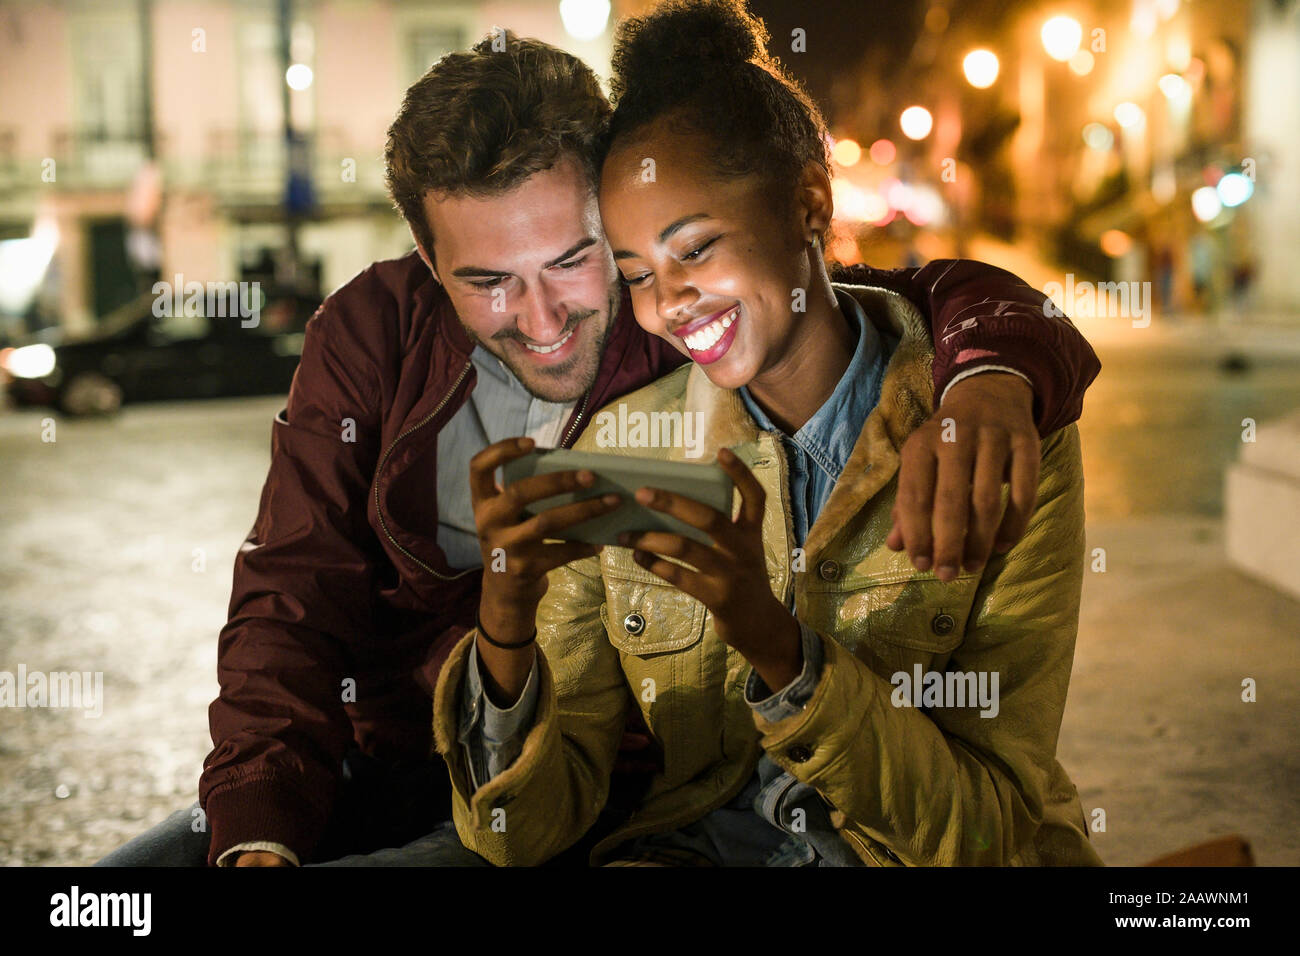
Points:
(262, 808)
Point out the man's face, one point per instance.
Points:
(531, 276)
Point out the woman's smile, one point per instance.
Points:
(709, 338)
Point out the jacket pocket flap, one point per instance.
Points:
(642, 617)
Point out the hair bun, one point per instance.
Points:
(721, 33)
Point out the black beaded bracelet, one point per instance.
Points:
(478, 622)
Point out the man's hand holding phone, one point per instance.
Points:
(517, 544)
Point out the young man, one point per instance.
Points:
(363, 568)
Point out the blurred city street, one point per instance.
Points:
(118, 538)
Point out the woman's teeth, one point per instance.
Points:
(547, 349)
(708, 336)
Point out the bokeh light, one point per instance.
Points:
(1061, 37)
(1206, 204)
(1082, 63)
(298, 76)
(1129, 115)
(846, 152)
(1116, 243)
(916, 122)
(981, 68)
(1234, 189)
(1174, 86)
(883, 152)
(1098, 137)
(584, 19)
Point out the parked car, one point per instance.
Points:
(137, 356)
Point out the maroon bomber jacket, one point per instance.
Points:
(341, 575)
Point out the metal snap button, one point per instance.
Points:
(634, 623)
(799, 753)
(830, 570)
(943, 624)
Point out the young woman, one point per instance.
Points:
(817, 699)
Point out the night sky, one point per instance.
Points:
(844, 34)
(840, 33)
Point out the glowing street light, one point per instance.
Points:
(883, 152)
(1098, 137)
(1116, 243)
(1061, 37)
(981, 68)
(584, 19)
(1082, 62)
(846, 152)
(1206, 204)
(1129, 115)
(1173, 86)
(298, 76)
(916, 122)
(1234, 189)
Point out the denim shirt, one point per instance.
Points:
(815, 455)
(776, 820)
(817, 452)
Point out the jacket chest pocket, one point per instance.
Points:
(894, 626)
(642, 614)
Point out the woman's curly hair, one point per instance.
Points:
(704, 65)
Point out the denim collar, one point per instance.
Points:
(829, 436)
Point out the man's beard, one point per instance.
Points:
(566, 382)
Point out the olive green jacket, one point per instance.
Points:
(916, 786)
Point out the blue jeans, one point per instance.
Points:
(385, 816)
(755, 828)
(174, 843)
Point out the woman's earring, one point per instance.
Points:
(817, 243)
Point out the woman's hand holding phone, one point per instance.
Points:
(730, 576)
(517, 558)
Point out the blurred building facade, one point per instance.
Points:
(147, 138)
(1129, 140)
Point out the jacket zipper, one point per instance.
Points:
(383, 461)
(576, 419)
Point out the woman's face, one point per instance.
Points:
(713, 267)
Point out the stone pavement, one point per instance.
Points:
(116, 545)
(1156, 733)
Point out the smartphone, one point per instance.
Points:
(707, 484)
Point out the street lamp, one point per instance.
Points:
(846, 152)
(1234, 189)
(1206, 204)
(584, 19)
(981, 68)
(1082, 62)
(1173, 86)
(916, 122)
(1061, 37)
(883, 152)
(298, 76)
(1098, 137)
(1129, 115)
